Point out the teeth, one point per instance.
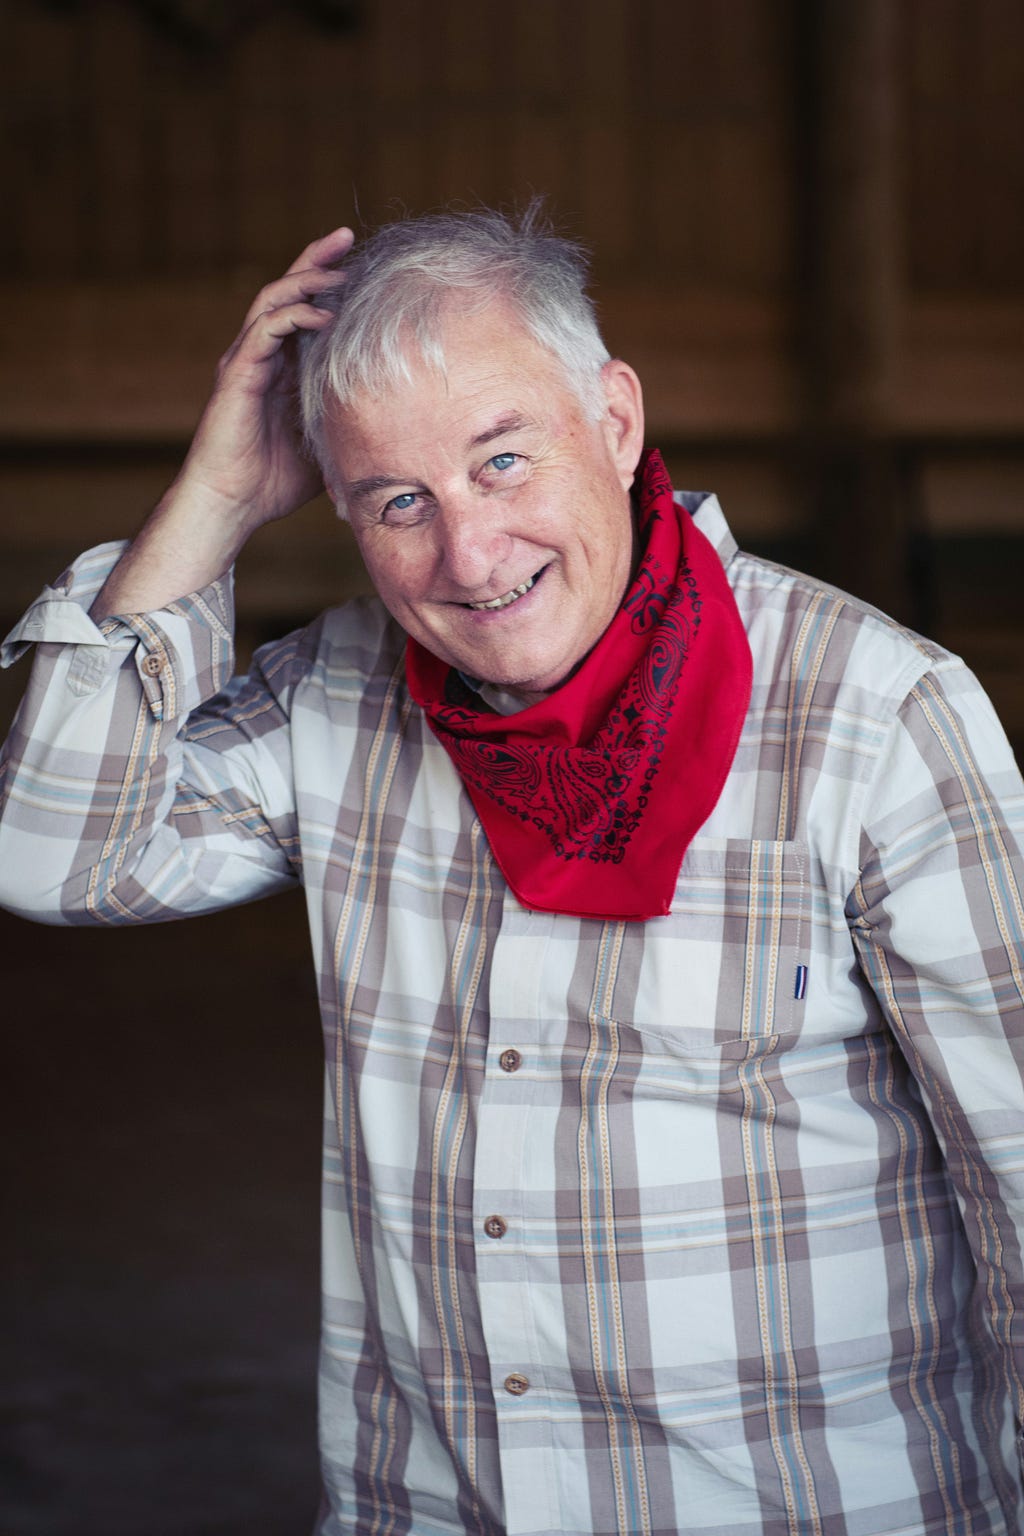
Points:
(510, 597)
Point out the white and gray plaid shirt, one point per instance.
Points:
(706, 1224)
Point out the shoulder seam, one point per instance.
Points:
(812, 586)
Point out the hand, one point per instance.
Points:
(247, 454)
(245, 466)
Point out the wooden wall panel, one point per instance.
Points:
(665, 126)
(662, 129)
(607, 192)
(648, 129)
(646, 123)
(149, 187)
(266, 147)
(123, 123)
(964, 74)
(328, 130)
(1000, 94)
(46, 118)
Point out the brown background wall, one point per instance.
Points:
(808, 224)
(808, 220)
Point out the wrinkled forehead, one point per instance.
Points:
(464, 331)
(482, 356)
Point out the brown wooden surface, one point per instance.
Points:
(807, 218)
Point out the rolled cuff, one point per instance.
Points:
(183, 653)
(60, 614)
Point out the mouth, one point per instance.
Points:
(507, 599)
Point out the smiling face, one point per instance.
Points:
(493, 515)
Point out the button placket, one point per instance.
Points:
(513, 1162)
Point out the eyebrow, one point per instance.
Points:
(354, 490)
(515, 421)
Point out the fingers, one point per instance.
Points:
(265, 332)
(293, 288)
(310, 273)
(271, 328)
(324, 251)
(285, 305)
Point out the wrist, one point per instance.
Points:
(191, 538)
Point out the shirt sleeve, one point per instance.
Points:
(938, 919)
(119, 801)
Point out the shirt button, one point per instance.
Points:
(152, 666)
(495, 1226)
(516, 1384)
(510, 1061)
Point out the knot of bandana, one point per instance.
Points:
(591, 796)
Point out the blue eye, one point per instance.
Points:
(405, 509)
(504, 460)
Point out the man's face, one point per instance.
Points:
(492, 514)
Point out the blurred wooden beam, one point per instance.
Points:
(850, 88)
(132, 362)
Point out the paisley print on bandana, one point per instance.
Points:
(590, 797)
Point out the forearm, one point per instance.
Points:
(99, 767)
(97, 760)
(191, 540)
(246, 465)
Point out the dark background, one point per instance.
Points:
(808, 224)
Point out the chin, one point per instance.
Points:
(534, 682)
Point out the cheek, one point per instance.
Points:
(393, 572)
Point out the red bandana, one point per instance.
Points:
(591, 796)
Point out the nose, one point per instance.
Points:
(474, 543)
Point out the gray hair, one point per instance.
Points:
(399, 282)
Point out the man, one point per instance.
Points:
(666, 905)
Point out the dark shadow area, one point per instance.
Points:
(162, 1118)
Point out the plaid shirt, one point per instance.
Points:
(705, 1224)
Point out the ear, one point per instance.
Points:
(337, 500)
(623, 422)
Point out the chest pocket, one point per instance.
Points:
(728, 964)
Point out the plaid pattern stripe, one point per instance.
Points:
(710, 1224)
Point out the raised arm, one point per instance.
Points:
(245, 466)
(110, 809)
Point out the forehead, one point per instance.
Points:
(478, 359)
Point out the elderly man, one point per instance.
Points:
(667, 910)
